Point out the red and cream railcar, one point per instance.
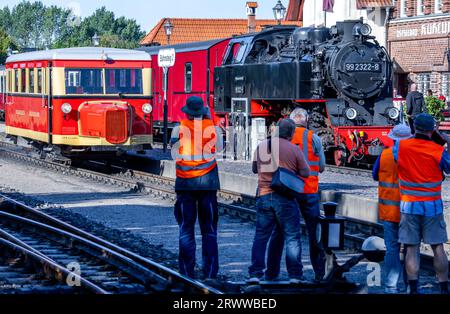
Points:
(80, 100)
(192, 75)
(2, 92)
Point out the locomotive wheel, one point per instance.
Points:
(340, 157)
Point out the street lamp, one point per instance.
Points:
(279, 11)
(168, 28)
(96, 40)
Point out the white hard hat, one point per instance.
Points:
(374, 249)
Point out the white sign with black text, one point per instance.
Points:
(166, 58)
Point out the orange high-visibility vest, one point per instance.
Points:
(197, 148)
(388, 189)
(303, 138)
(420, 177)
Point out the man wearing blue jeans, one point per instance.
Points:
(385, 172)
(194, 145)
(275, 211)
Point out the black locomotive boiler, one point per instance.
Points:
(341, 75)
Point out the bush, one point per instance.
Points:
(435, 107)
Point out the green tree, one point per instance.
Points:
(34, 25)
(5, 43)
(117, 33)
(435, 107)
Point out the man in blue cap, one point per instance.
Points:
(194, 144)
(420, 162)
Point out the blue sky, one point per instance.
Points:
(148, 12)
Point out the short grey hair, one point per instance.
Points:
(300, 116)
(285, 128)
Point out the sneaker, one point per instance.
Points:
(254, 280)
(299, 280)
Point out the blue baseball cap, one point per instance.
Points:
(424, 122)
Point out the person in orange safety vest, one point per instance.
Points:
(421, 162)
(194, 144)
(385, 172)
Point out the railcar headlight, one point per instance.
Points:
(147, 108)
(351, 113)
(365, 30)
(66, 108)
(393, 113)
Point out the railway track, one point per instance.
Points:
(70, 260)
(231, 203)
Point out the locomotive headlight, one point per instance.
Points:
(66, 108)
(393, 113)
(147, 108)
(365, 30)
(351, 113)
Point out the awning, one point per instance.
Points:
(364, 4)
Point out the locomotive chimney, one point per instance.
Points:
(251, 14)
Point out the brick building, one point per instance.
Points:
(418, 41)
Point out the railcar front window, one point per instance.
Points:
(84, 81)
(124, 81)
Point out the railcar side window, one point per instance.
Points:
(188, 77)
(39, 81)
(84, 81)
(16, 81)
(31, 80)
(124, 81)
(23, 81)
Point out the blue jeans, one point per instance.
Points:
(275, 212)
(392, 264)
(309, 207)
(186, 207)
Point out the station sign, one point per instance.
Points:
(166, 58)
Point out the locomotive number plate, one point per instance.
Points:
(363, 67)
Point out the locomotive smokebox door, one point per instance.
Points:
(331, 231)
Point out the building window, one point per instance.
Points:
(420, 7)
(423, 82)
(437, 6)
(445, 85)
(403, 8)
(188, 77)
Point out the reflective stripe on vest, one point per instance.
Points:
(419, 171)
(304, 139)
(197, 148)
(388, 188)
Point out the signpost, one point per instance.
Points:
(166, 60)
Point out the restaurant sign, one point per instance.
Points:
(426, 29)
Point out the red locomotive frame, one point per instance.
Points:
(80, 100)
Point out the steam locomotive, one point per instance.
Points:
(341, 75)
